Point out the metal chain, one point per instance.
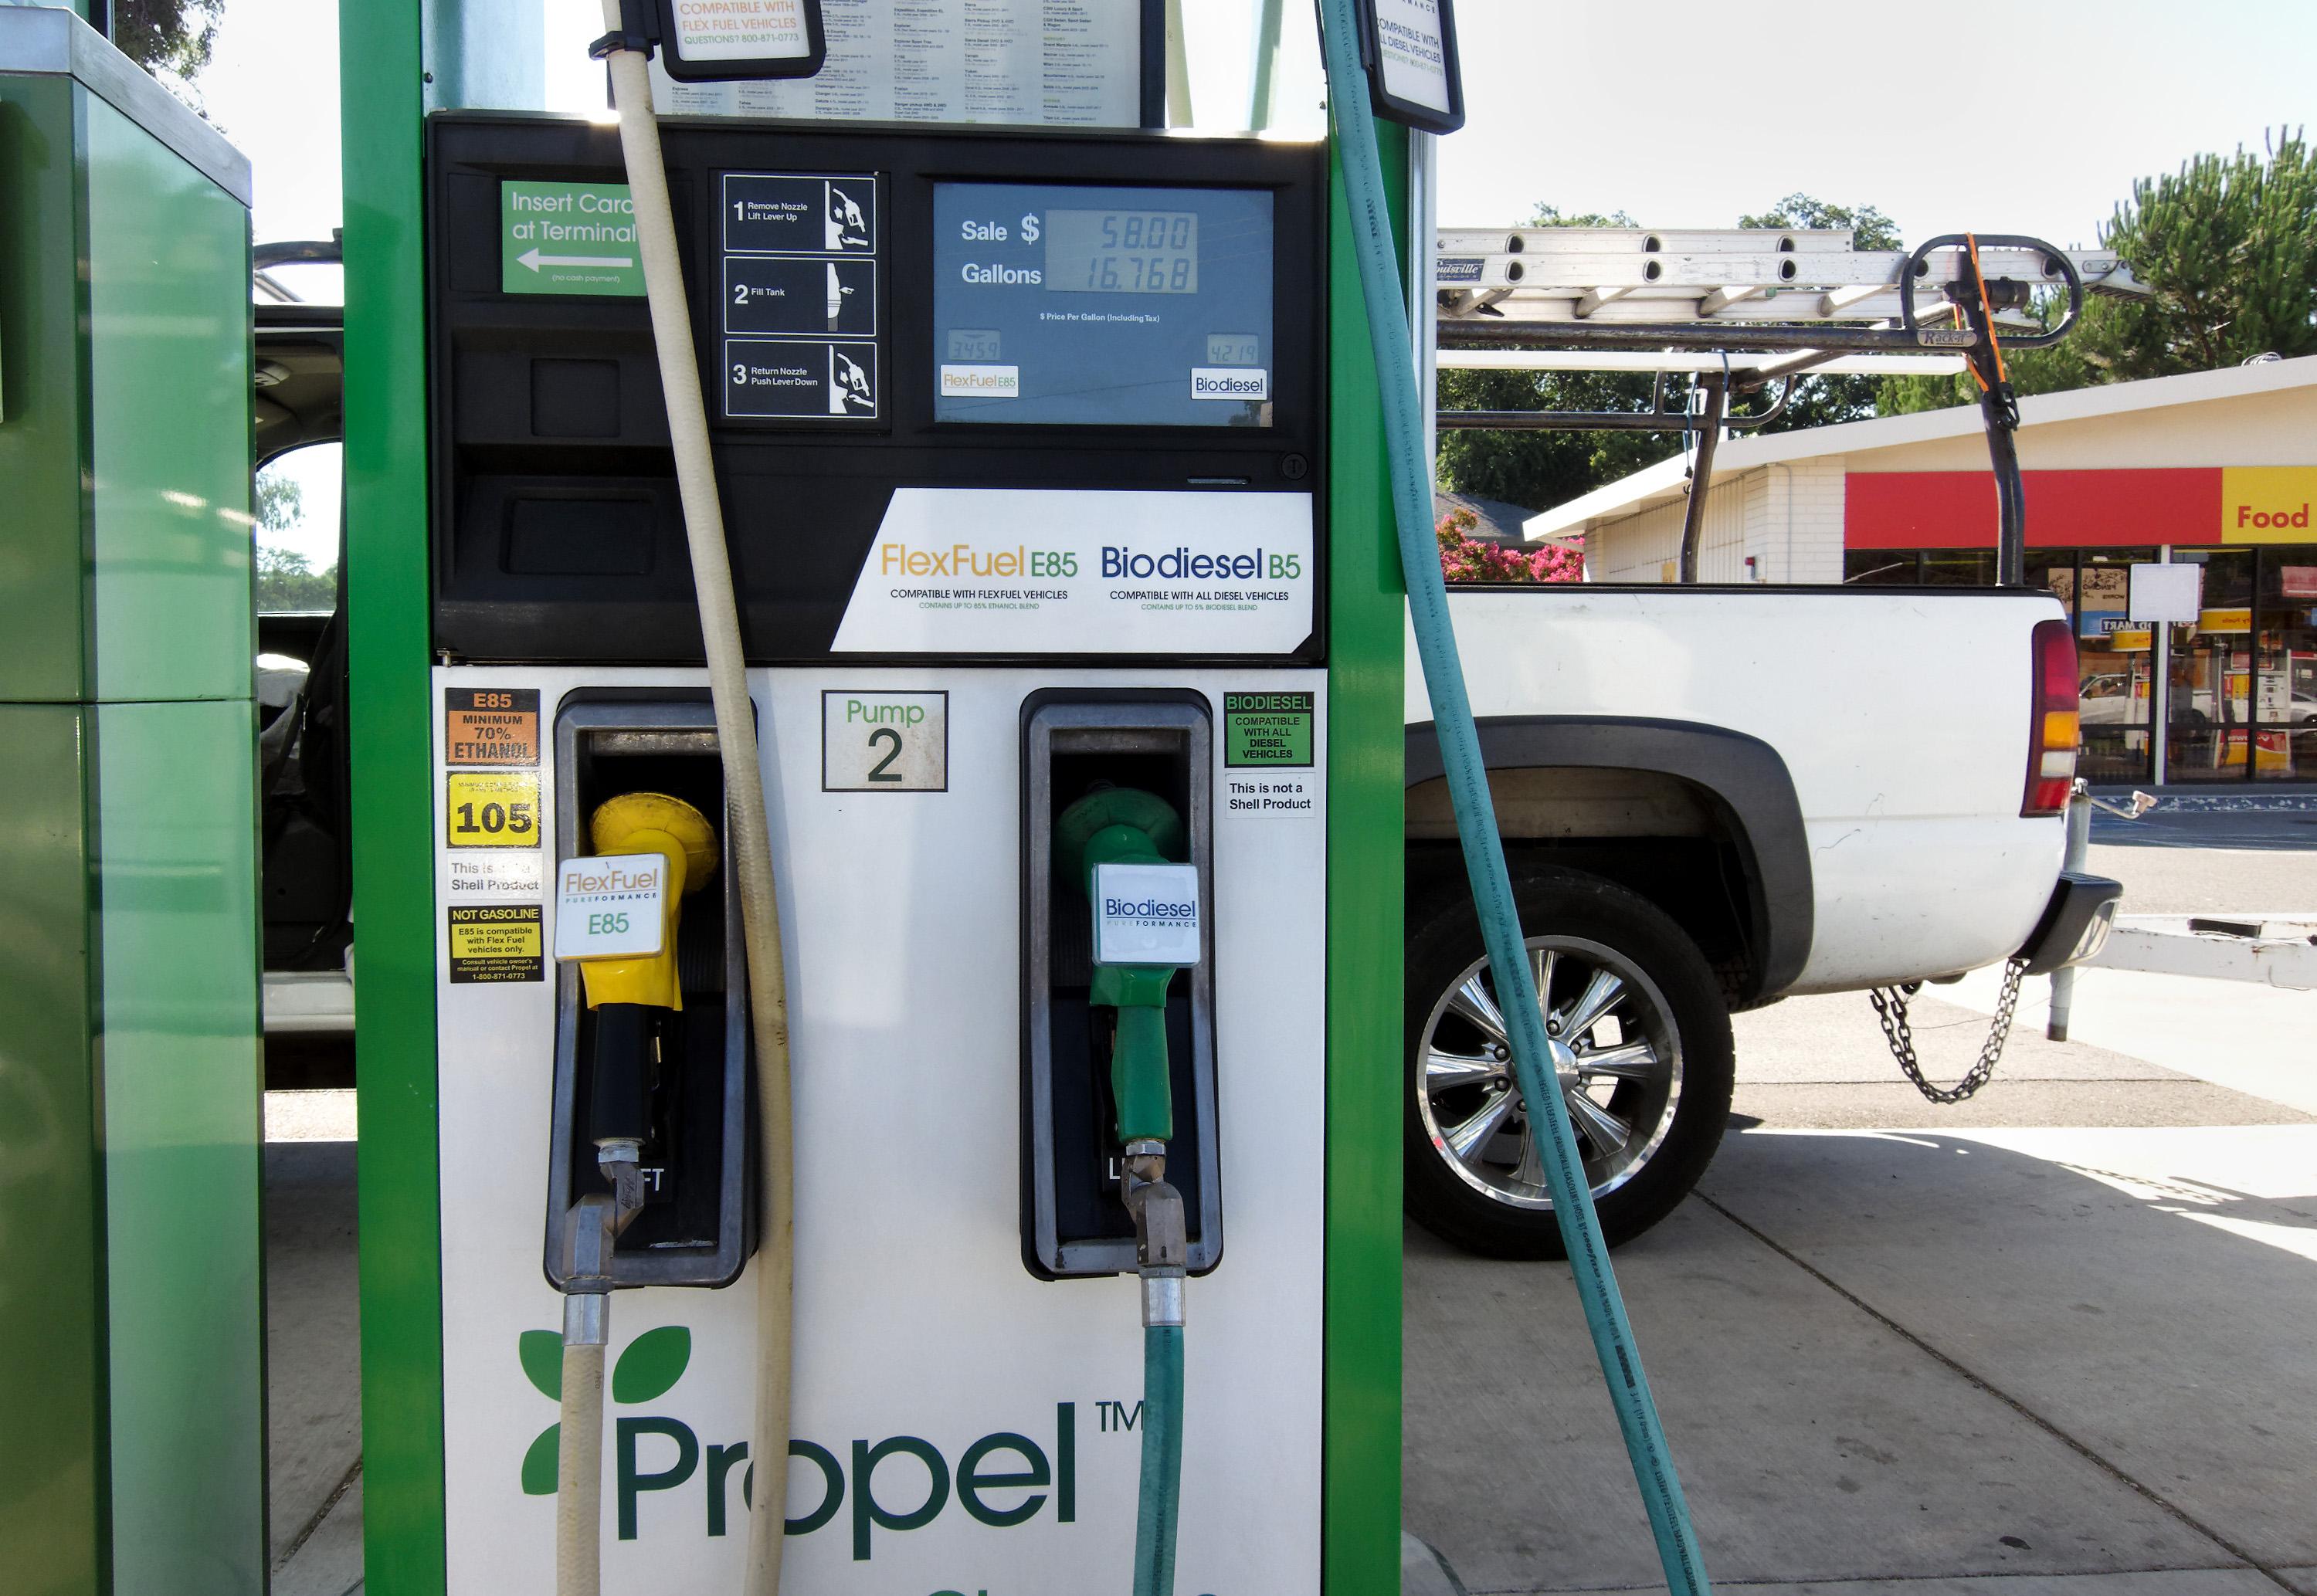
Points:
(1891, 1008)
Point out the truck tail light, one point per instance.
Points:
(2053, 729)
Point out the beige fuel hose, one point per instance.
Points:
(748, 834)
(579, 1473)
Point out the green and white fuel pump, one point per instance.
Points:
(132, 1366)
(1031, 522)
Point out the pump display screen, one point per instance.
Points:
(1114, 252)
(1057, 305)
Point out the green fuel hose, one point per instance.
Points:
(1160, 1502)
(1476, 819)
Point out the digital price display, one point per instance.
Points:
(1114, 252)
(1060, 305)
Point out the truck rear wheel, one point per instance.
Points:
(1641, 1041)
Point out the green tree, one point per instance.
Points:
(1822, 401)
(286, 580)
(2228, 243)
(1869, 227)
(281, 502)
(1537, 470)
(1541, 470)
(168, 38)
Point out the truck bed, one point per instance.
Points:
(1901, 715)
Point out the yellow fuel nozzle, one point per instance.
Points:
(650, 823)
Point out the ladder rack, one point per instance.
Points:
(1657, 276)
(1526, 297)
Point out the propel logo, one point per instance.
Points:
(1004, 1480)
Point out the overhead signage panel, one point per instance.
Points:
(1409, 48)
(741, 38)
(1064, 63)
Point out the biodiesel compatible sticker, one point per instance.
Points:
(1014, 571)
(497, 942)
(1267, 728)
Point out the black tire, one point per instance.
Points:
(1495, 1208)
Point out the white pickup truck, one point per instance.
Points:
(1711, 798)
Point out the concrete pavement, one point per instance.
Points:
(2053, 1342)
(2050, 1342)
(313, 1345)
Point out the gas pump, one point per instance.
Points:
(1022, 446)
(1032, 525)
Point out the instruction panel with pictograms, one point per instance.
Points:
(802, 319)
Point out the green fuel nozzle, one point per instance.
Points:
(1127, 825)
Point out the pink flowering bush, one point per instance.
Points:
(1465, 559)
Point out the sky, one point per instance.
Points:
(1687, 114)
(1680, 113)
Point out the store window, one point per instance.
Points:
(2115, 677)
(1880, 567)
(2240, 701)
(1959, 567)
(2285, 660)
(2210, 724)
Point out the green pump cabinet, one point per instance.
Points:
(132, 1454)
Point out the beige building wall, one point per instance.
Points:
(1786, 514)
(1798, 539)
(2277, 428)
(1788, 519)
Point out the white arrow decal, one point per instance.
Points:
(535, 260)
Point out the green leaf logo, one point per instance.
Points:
(649, 1368)
(538, 1463)
(541, 1351)
(653, 1362)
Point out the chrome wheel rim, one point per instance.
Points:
(1616, 1054)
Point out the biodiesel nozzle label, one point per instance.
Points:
(1016, 571)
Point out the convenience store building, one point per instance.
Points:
(2216, 468)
